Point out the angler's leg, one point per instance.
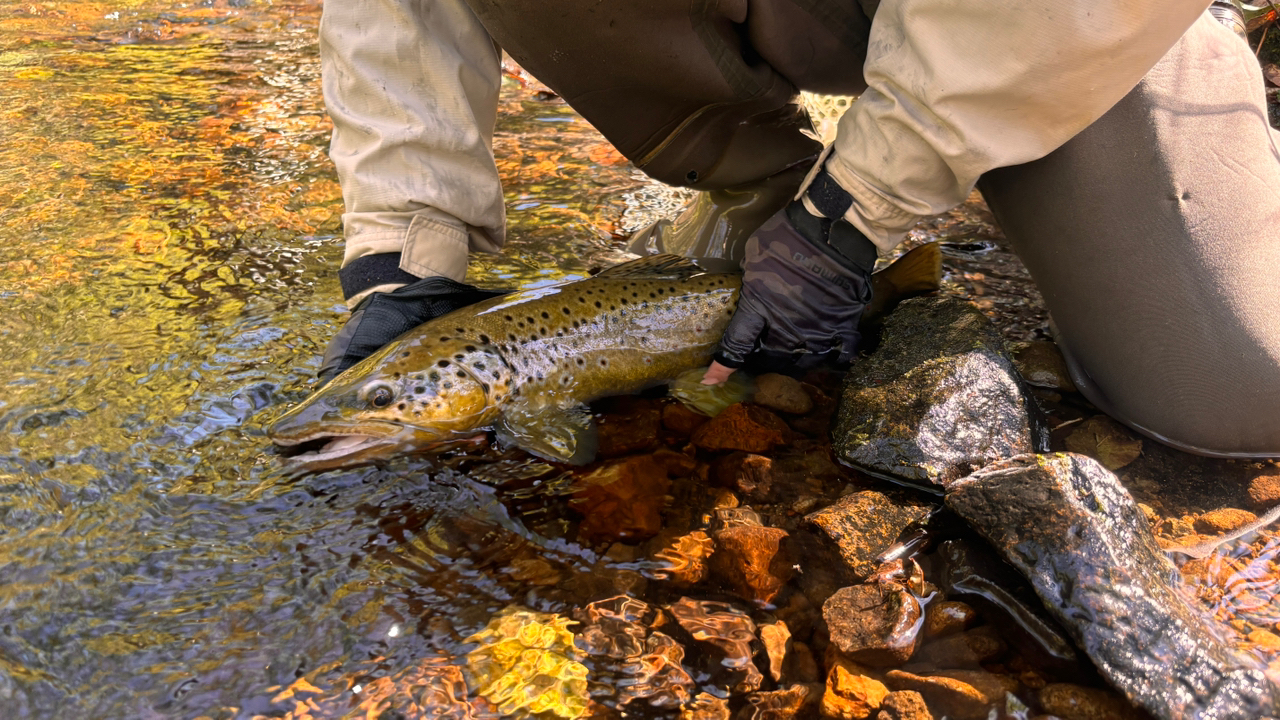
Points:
(1154, 236)
(412, 87)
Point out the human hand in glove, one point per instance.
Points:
(806, 280)
(382, 317)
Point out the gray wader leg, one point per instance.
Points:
(1154, 236)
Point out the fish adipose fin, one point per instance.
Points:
(655, 266)
(567, 436)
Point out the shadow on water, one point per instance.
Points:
(169, 240)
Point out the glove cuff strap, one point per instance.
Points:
(369, 271)
(828, 197)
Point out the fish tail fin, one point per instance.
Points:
(917, 272)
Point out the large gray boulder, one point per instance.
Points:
(937, 400)
(1069, 526)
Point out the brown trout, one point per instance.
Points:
(526, 364)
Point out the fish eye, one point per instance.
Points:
(379, 395)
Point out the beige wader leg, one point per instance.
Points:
(1154, 236)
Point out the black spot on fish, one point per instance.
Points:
(545, 315)
(400, 406)
(484, 339)
(460, 330)
(404, 354)
(613, 307)
(461, 374)
(575, 323)
(459, 356)
(582, 300)
(520, 324)
(447, 385)
(511, 337)
(653, 295)
(566, 310)
(660, 291)
(589, 292)
(507, 318)
(444, 338)
(564, 379)
(470, 348)
(581, 362)
(533, 338)
(419, 390)
(597, 303)
(604, 362)
(559, 333)
(443, 363)
(635, 295)
(480, 366)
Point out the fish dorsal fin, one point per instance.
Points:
(918, 271)
(654, 266)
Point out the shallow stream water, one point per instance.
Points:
(169, 240)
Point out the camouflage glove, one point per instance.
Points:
(806, 280)
(382, 317)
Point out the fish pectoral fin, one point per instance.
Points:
(655, 266)
(567, 436)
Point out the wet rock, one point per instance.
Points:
(782, 393)
(1224, 520)
(1040, 363)
(681, 420)
(519, 649)
(734, 516)
(1075, 702)
(851, 693)
(627, 425)
(945, 696)
(796, 701)
(1264, 491)
(677, 464)
(948, 617)
(904, 705)
(776, 638)
(726, 630)
(706, 707)
(966, 650)
(1106, 441)
(1065, 516)
(938, 399)
(682, 559)
(1267, 641)
(749, 428)
(618, 637)
(622, 499)
(973, 572)
(749, 474)
(862, 525)
(753, 561)
(876, 625)
(801, 666)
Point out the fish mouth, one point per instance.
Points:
(331, 447)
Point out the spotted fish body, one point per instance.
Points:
(524, 364)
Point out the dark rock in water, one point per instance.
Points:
(972, 572)
(904, 705)
(1039, 362)
(1072, 529)
(782, 393)
(862, 525)
(939, 398)
(877, 625)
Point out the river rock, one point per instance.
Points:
(726, 630)
(682, 420)
(862, 525)
(1076, 702)
(1065, 516)
(945, 696)
(1223, 520)
(1264, 491)
(876, 625)
(706, 707)
(749, 428)
(748, 473)
(1106, 441)
(795, 701)
(627, 425)
(782, 393)
(753, 561)
(1040, 363)
(776, 638)
(622, 499)
(948, 617)
(851, 692)
(904, 705)
(938, 399)
(966, 650)
(681, 559)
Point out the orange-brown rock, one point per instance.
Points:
(1223, 520)
(904, 705)
(790, 703)
(706, 707)
(948, 617)
(1076, 702)
(861, 525)
(749, 428)
(1266, 640)
(965, 650)
(1264, 491)
(945, 696)
(622, 499)
(1039, 362)
(776, 638)
(1105, 440)
(753, 561)
(628, 425)
(727, 630)
(782, 393)
(851, 693)
(682, 559)
(876, 625)
(678, 464)
(682, 420)
(748, 473)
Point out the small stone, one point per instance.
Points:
(1224, 520)
(628, 425)
(1106, 441)
(851, 693)
(777, 641)
(946, 696)
(782, 393)
(682, 560)
(749, 474)
(862, 525)
(904, 705)
(748, 428)
(967, 650)
(1264, 492)
(873, 624)
(991, 686)
(795, 701)
(622, 499)
(753, 561)
(1040, 363)
(734, 516)
(706, 707)
(681, 420)
(1268, 641)
(1076, 702)
(948, 617)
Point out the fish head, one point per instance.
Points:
(411, 395)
